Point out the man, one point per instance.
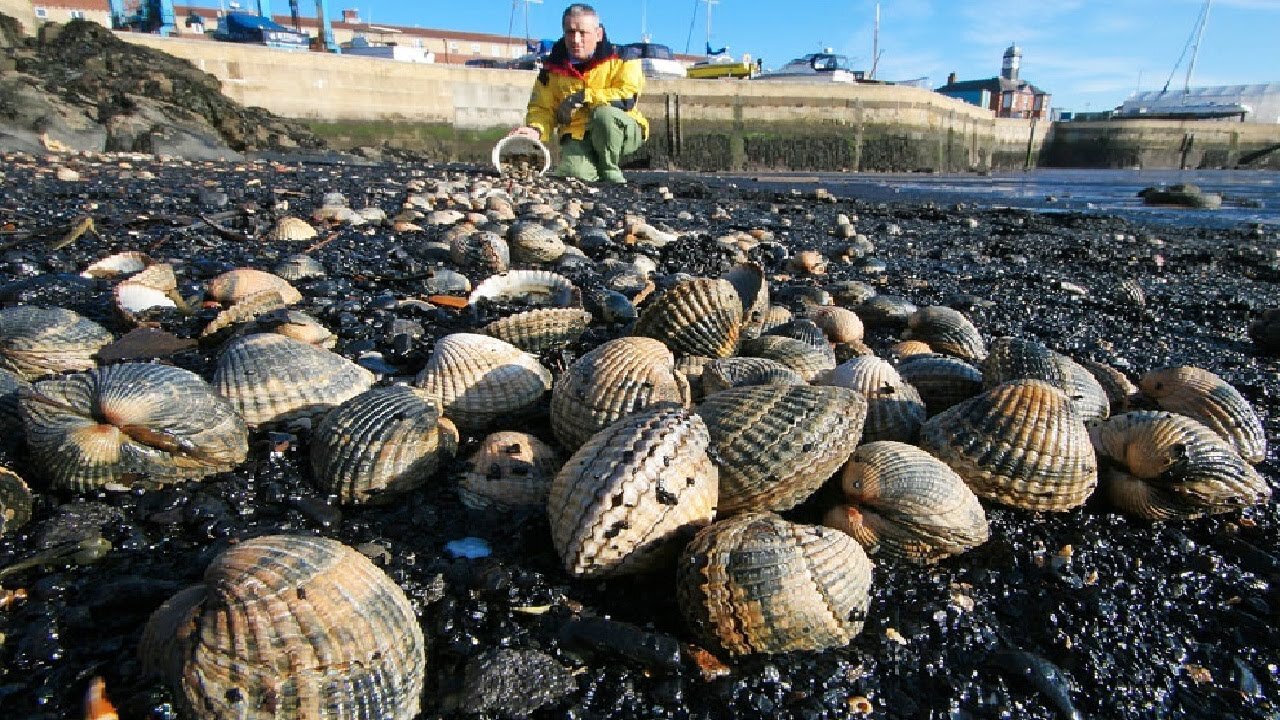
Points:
(586, 95)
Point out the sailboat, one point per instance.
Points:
(719, 63)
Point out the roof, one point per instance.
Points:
(96, 5)
(1207, 91)
(995, 84)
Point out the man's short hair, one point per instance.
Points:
(579, 9)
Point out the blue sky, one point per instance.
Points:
(1090, 54)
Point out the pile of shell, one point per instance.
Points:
(682, 440)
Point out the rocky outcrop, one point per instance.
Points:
(1181, 195)
(77, 86)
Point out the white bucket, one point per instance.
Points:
(519, 145)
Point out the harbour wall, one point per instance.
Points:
(451, 112)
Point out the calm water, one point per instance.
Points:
(1249, 196)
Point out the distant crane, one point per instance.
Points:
(1193, 44)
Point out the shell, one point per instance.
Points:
(807, 360)
(886, 311)
(299, 267)
(533, 242)
(776, 315)
(535, 331)
(508, 471)
(907, 504)
(443, 281)
(841, 325)
(725, 373)
(270, 378)
(909, 348)
(776, 445)
(895, 410)
(695, 317)
(941, 380)
(15, 501)
(297, 325)
(233, 286)
(1202, 395)
(616, 379)
(111, 424)
(692, 368)
(1020, 443)
(528, 287)
(247, 309)
(804, 330)
(291, 229)
(757, 583)
(39, 341)
(12, 387)
(1016, 359)
(118, 265)
(628, 497)
(1118, 387)
(380, 444)
(749, 282)
(1087, 395)
(484, 252)
(290, 626)
(478, 379)
(1161, 465)
(947, 331)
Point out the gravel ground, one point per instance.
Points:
(1086, 613)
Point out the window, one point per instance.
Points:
(475, 48)
(77, 14)
(495, 50)
(1008, 101)
(516, 51)
(41, 13)
(453, 46)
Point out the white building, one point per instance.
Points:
(1252, 103)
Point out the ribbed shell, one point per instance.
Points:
(1202, 395)
(907, 504)
(297, 325)
(1161, 465)
(753, 290)
(777, 445)
(886, 311)
(110, 424)
(233, 286)
(692, 368)
(245, 310)
(616, 379)
(947, 331)
(726, 373)
(545, 329)
(11, 388)
(15, 501)
(809, 361)
(1019, 359)
(290, 627)
(626, 499)
(1118, 387)
(1021, 444)
(299, 267)
(38, 341)
(775, 316)
(509, 470)
(529, 287)
(895, 410)
(841, 325)
(443, 281)
(484, 252)
(941, 380)
(1087, 395)
(757, 583)
(804, 330)
(270, 378)
(478, 379)
(701, 316)
(533, 242)
(380, 444)
(292, 229)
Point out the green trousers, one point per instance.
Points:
(611, 134)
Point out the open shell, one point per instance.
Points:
(701, 316)
(233, 286)
(1202, 395)
(509, 470)
(290, 627)
(1021, 444)
(756, 583)
(907, 504)
(749, 281)
(380, 444)
(612, 381)
(895, 409)
(270, 378)
(478, 379)
(776, 445)
(626, 499)
(947, 331)
(1160, 465)
(38, 341)
(118, 265)
(528, 287)
(157, 423)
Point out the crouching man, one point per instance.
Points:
(586, 95)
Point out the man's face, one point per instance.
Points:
(582, 33)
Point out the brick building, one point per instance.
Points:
(1007, 95)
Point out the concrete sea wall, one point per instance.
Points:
(456, 113)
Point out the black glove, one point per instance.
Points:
(564, 113)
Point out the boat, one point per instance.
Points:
(720, 64)
(825, 66)
(240, 26)
(656, 59)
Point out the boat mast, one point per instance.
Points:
(1195, 49)
(875, 44)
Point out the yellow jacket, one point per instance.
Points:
(606, 79)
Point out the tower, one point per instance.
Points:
(1012, 61)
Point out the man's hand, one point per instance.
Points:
(526, 132)
(564, 113)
